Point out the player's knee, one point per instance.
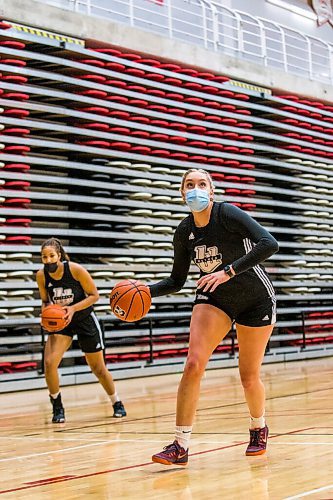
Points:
(50, 362)
(194, 366)
(99, 370)
(249, 379)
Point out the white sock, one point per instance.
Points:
(183, 435)
(54, 396)
(257, 423)
(114, 398)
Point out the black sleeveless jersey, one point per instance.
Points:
(230, 237)
(66, 292)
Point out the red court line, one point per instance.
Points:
(82, 476)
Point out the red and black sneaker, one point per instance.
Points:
(173, 454)
(258, 442)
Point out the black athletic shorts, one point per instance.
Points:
(88, 331)
(253, 313)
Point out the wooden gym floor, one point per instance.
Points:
(98, 457)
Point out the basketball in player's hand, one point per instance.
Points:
(130, 300)
(53, 318)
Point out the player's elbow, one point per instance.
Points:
(179, 285)
(274, 246)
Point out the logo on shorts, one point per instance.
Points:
(191, 237)
(265, 318)
(98, 346)
(201, 297)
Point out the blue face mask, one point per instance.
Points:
(197, 199)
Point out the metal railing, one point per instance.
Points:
(219, 28)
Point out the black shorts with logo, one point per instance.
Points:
(88, 331)
(260, 313)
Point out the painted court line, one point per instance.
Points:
(307, 493)
(64, 450)
(136, 466)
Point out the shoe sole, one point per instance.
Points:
(58, 422)
(255, 453)
(165, 462)
(119, 416)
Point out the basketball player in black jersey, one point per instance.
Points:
(70, 285)
(228, 247)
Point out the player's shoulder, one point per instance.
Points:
(40, 274)
(184, 224)
(182, 232)
(75, 268)
(226, 209)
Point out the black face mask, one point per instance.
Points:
(51, 268)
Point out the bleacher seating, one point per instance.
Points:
(93, 153)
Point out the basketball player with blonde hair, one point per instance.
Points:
(228, 246)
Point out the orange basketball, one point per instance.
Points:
(53, 318)
(130, 300)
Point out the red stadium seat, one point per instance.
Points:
(171, 67)
(156, 77)
(16, 131)
(116, 83)
(187, 71)
(130, 56)
(97, 110)
(18, 96)
(120, 130)
(92, 78)
(95, 143)
(143, 150)
(92, 62)
(216, 161)
(141, 134)
(95, 126)
(217, 147)
(150, 62)
(17, 149)
(17, 79)
(179, 156)
(164, 153)
(174, 96)
(159, 137)
(118, 98)
(196, 101)
(198, 158)
(97, 94)
(196, 129)
(213, 104)
(16, 167)
(156, 92)
(140, 119)
(17, 113)
(113, 66)
(121, 115)
(214, 119)
(22, 222)
(109, 51)
(17, 202)
(12, 44)
(19, 185)
(195, 115)
(14, 62)
(178, 139)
